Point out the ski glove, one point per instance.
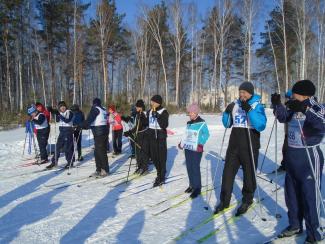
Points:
(230, 107)
(275, 99)
(199, 148)
(245, 106)
(127, 133)
(296, 106)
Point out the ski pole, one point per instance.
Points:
(268, 143)
(254, 169)
(55, 138)
(127, 178)
(313, 171)
(277, 215)
(24, 143)
(89, 138)
(74, 151)
(216, 170)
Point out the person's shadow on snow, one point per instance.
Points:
(26, 189)
(196, 215)
(132, 229)
(171, 156)
(26, 213)
(88, 225)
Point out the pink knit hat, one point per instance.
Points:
(193, 108)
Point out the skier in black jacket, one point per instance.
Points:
(139, 135)
(97, 121)
(78, 118)
(157, 134)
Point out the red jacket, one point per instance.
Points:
(45, 112)
(115, 121)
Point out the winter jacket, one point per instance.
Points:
(239, 138)
(199, 125)
(140, 123)
(97, 130)
(78, 117)
(65, 117)
(115, 121)
(312, 123)
(158, 125)
(256, 116)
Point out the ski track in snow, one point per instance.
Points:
(35, 208)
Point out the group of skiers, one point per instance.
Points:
(146, 130)
(302, 157)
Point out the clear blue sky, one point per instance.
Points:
(131, 9)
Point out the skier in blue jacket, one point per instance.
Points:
(196, 135)
(245, 113)
(304, 159)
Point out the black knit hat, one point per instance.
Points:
(140, 104)
(157, 99)
(97, 101)
(247, 86)
(304, 88)
(61, 104)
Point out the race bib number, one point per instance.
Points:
(294, 132)
(240, 118)
(190, 140)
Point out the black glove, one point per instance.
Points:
(296, 106)
(230, 107)
(49, 108)
(245, 106)
(127, 133)
(275, 99)
(54, 111)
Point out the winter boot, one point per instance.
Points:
(189, 189)
(80, 158)
(243, 208)
(289, 231)
(220, 208)
(51, 166)
(95, 174)
(157, 182)
(195, 193)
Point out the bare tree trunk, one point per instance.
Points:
(74, 52)
(154, 27)
(8, 69)
(41, 68)
(285, 47)
(275, 62)
(178, 44)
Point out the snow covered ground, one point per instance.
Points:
(54, 207)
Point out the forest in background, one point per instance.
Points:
(50, 51)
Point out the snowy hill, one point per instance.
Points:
(53, 207)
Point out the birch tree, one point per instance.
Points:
(178, 42)
(155, 19)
